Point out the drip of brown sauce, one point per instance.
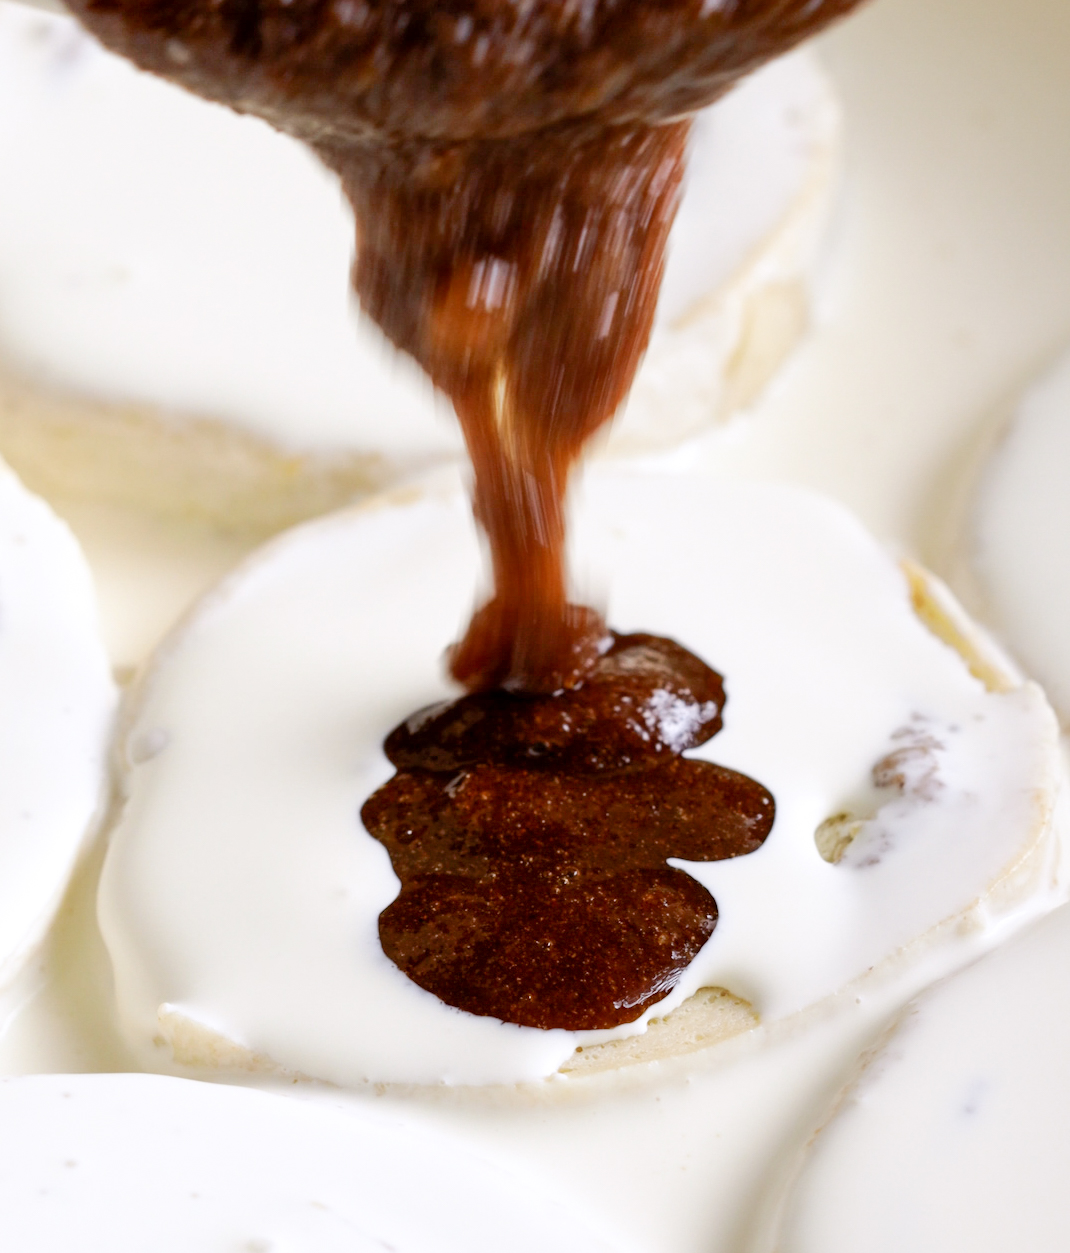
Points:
(531, 836)
(523, 275)
(514, 168)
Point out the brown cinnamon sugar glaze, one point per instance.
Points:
(514, 167)
(531, 837)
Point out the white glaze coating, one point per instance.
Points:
(159, 250)
(55, 715)
(954, 1137)
(241, 891)
(127, 1163)
(1021, 540)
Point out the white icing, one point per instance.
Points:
(955, 1136)
(127, 1163)
(160, 250)
(241, 891)
(1022, 535)
(56, 713)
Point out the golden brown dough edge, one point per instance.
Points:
(199, 470)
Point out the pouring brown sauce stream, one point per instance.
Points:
(514, 167)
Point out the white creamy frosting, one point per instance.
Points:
(129, 1163)
(241, 892)
(954, 1136)
(1021, 538)
(159, 250)
(57, 701)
